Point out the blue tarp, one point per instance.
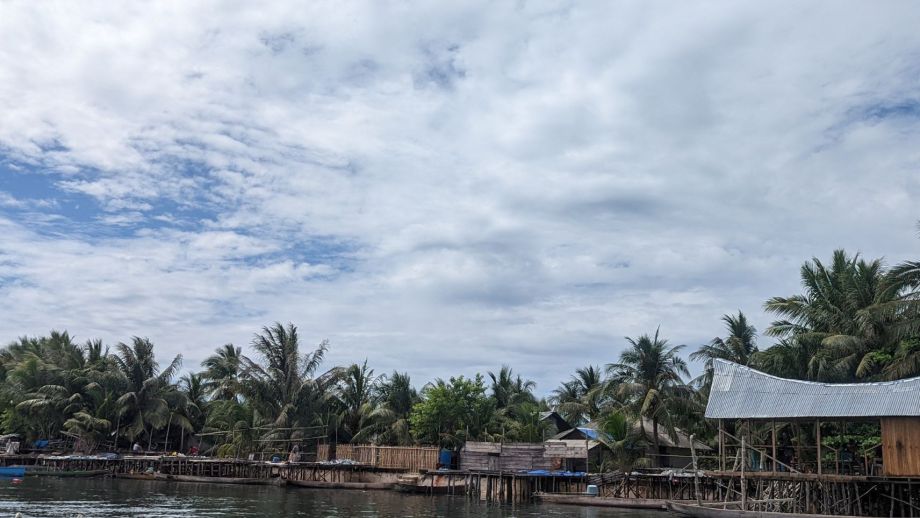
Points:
(41, 443)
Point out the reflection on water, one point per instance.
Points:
(55, 497)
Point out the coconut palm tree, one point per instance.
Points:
(625, 444)
(903, 284)
(649, 380)
(355, 399)
(841, 309)
(509, 390)
(282, 387)
(393, 396)
(192, 415)
(580, 399)
(740, 346)
(144, 408)
(223, 371)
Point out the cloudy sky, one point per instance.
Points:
(444, 187)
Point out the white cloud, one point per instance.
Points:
(449, 187)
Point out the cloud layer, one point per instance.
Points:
(444, 188)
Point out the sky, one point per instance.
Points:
(444, 187)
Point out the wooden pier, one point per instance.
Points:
(810, 493)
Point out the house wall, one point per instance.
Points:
(551, 455)
(901, 446)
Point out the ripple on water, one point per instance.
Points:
(51, 497)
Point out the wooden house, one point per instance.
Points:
(674, 452)
(557, 455)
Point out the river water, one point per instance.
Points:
(58, 497)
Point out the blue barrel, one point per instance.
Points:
(444, 458)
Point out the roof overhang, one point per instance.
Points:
(740, 392)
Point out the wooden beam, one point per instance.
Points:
(818, 434)
(773, 438)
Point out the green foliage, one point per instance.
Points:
(581, 399)
(452, 412)
(625, 445)
(854, 321)
(648, 381)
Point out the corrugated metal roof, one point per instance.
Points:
(740, 392)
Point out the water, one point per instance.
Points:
(58, 497)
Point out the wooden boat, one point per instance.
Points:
(12, 471)
(602, 501)
(70, 473)
(136, 476)
(710, 511)
(162, 477)
(430, 483)
(219, 480)
(319, 484)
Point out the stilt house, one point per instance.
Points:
(741, 397)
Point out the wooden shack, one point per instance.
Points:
(744, 396)
(675, 452)
(550, 456)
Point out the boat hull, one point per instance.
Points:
(12, 471)
(600, 501)
(204, 480)
(697, 511)
(67, 474)
(318, 484)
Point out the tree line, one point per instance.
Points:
(855, 320)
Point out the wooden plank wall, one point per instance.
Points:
(901, 446)
(493, 456)
(523, 457)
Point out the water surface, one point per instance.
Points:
(96, 497)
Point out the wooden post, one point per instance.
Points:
(696, 472)
(818, 434)
(774, 446)
(721, 446)
(743, 481)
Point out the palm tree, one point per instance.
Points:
(394, 397)
(739, 346)
(508, 390)
(580, 399)
(649, 380)
(903, 285)
(192, 416)
(88, 428)
(223, 371)
(355, 396)
(50, 379)
(626, 445)
(841, 308)
(145, 405)
(282, 388)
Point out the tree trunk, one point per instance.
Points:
(149, 438)
(117, 430)
(166, 442)
(656, 441)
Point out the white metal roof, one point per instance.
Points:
(740, 392)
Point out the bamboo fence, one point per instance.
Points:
(399, 457)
